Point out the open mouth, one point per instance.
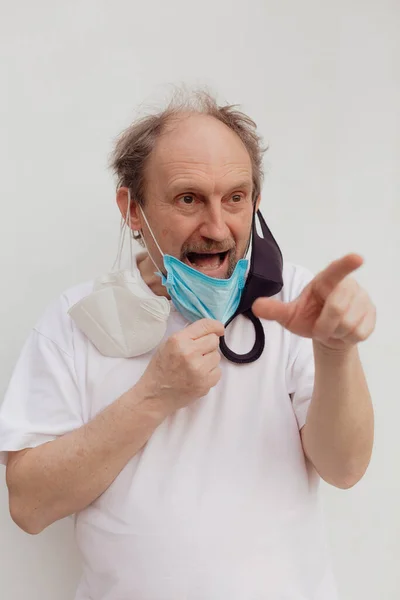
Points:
(207, 261)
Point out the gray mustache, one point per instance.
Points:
(207, 249)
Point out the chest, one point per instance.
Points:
(244, 389)
(237, 447)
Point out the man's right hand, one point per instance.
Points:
(186, 366)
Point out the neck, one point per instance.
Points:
(147, 272)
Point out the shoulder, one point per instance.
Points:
(55, 324)
(295, 279)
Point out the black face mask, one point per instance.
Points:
(264, 279)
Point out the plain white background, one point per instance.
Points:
(322, 80)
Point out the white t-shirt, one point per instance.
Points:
(220, 504)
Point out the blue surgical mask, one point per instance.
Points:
(198, 296)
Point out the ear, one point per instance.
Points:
(258, 202)
(122, 201)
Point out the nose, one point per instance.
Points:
(214, 226)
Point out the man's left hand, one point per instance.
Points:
(332, 309)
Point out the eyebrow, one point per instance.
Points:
(242, 185)
(191, 186)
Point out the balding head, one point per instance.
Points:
(135, 145)
(197, 181)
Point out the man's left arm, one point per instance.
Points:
(338, 435)
(337, 314)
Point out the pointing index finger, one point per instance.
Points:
(329, 278)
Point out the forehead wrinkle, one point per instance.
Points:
(188, 170)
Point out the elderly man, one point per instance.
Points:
(184, 409)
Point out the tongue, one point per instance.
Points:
(210, 261)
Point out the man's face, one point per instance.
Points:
(199, 196)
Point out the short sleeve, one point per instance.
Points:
(300, 371)
(42, 401)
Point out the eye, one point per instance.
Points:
(236, 198)
(187, 199)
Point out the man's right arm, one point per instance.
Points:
(64, 476)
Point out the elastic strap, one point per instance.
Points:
(125, 223)
(259, 343)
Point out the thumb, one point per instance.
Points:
(203, 327)
(272, 310)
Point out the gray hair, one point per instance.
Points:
(134, 146)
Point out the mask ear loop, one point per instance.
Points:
(246, 254)
(124, 223)
(128, 222)
(155, 241)
(250, 242)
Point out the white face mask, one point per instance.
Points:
(121, 317)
